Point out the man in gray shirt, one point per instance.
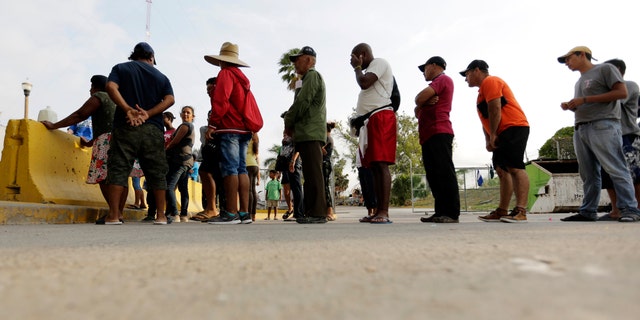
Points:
(598, 135)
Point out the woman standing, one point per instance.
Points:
(180, 159)
(253, 170)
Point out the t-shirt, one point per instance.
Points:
(140, 84)
(273, 189)
(379, 94)
(512, 115)
(630, 109)
(251, 160)
(434, 119)
(597, 80)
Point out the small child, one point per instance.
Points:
(273, 190)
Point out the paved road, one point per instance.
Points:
(544, 269)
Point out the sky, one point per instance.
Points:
(58, 46)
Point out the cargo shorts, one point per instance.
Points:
(146, 143)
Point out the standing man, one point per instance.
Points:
(141, 93)
(306, 121)
(433, 105)
(506, 132)
(598, 136)
(227, 123)
(630, 141)
(379, 133)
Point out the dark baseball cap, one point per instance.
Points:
(434, 60)
(480, 64)
(141, 48)
(305, 50)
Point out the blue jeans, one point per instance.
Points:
(598, 144)
(176, 172)
(233, 153)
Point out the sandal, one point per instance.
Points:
(200, 216)
(366, 219)
(380, 220)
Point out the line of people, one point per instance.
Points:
(137, 94)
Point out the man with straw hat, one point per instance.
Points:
(227, 122)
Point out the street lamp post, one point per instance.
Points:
(26, 87)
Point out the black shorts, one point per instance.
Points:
(511, 147)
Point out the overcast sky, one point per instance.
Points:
(59, 45)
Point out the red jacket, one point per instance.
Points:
(227, 99)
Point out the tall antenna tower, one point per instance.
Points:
(148, 32)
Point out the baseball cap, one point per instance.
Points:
(434, 60)
(584, 49)
(141, 48)
(305, 50)
(480, 64)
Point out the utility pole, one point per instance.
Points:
(148, 31)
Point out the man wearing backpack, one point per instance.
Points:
(379, 132)
(227, 122)
(306, 121)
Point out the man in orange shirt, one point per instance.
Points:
(506, 132)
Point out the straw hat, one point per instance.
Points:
(228, 53)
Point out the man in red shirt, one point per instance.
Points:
(506, 132)
(433, 105)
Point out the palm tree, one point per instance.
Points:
(287, 69)
(270, 163)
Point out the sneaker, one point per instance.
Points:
(577, 218)
(225, 218)
(245, 218)
(494, 216)
(438, 219)
(307, 220)
(184, 218)
(517, 215)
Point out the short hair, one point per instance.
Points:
(99, 82)
(169, 115)
(618, 64)
(273, 171)
(330, 126)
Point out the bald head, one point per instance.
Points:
(363, 50)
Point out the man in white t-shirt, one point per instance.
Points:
(379, 133)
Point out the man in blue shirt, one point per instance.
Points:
(142, 94)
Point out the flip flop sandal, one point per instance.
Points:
(380, 220)
(201, 217)
(366, 219)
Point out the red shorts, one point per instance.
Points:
(382, 133)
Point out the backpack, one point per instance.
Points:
(395, 96)
(252, 116)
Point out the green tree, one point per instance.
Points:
(401, 189)
(287, 69)
(270, 161)
(408, 147)
(563, 138)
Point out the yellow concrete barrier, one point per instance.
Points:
(50, 167)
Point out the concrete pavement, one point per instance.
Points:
(544, 269)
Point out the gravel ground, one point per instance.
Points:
(544, 269)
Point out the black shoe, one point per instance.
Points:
(148, 219)
(306, 220)
(577, 218)
(438, 219)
